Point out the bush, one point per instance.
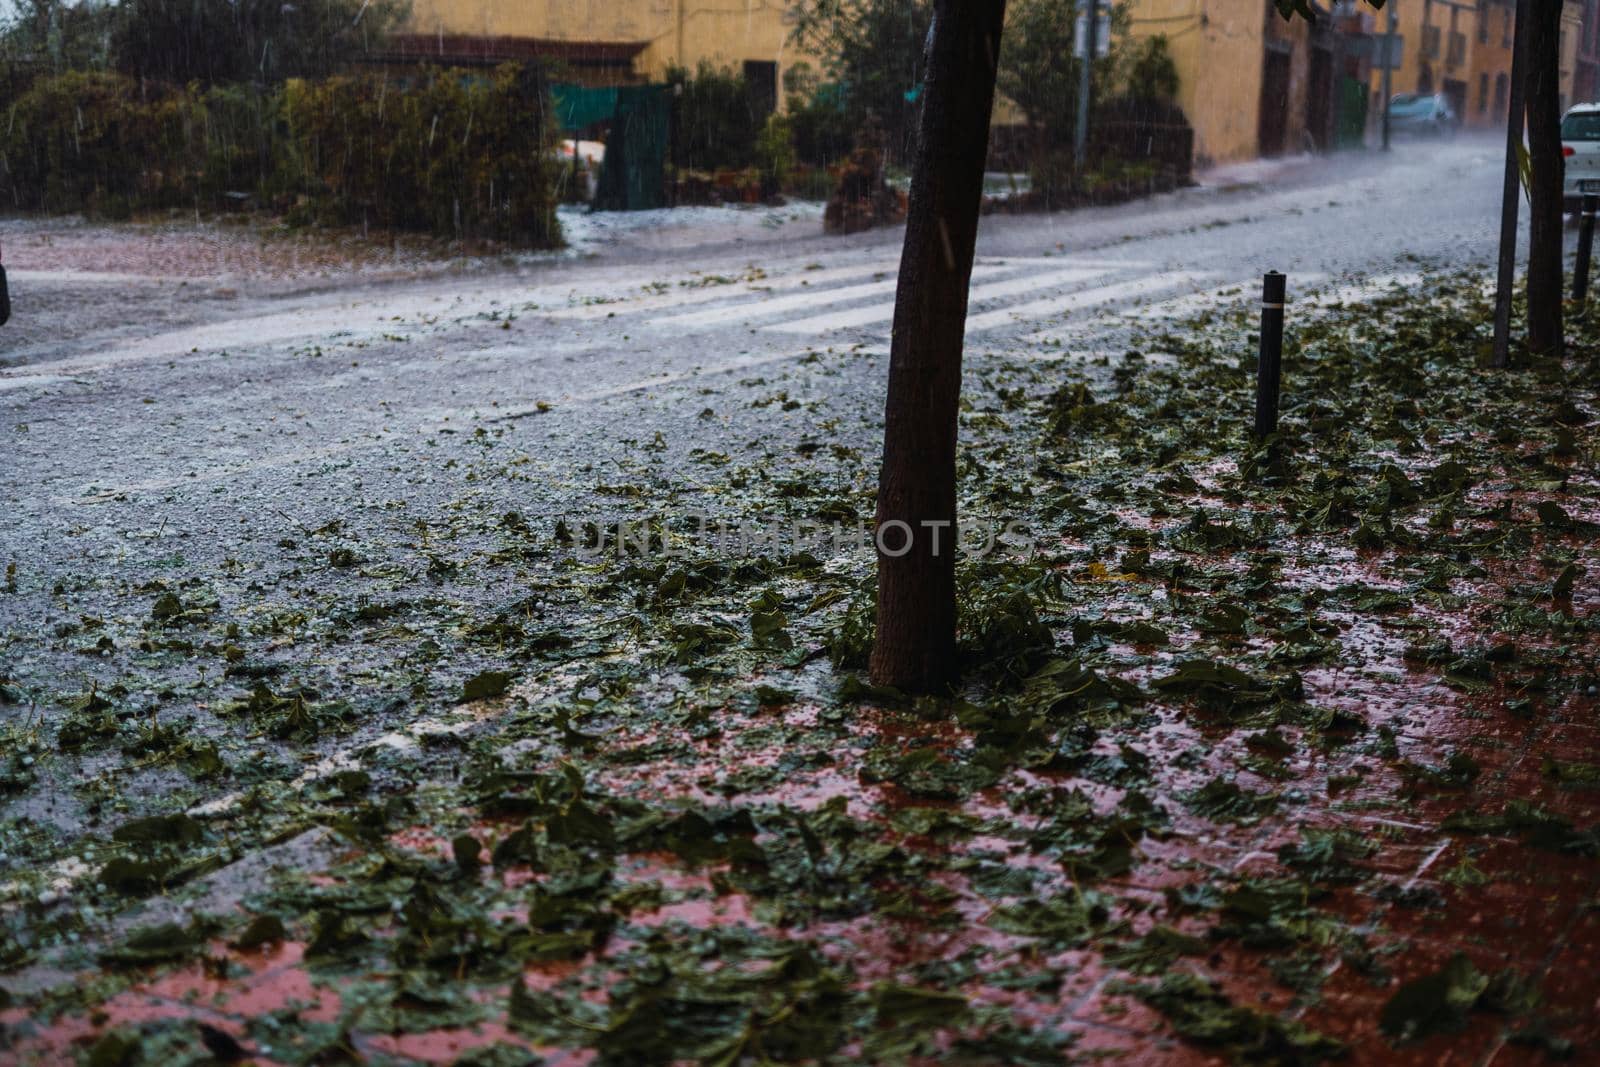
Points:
(70, 138)
(454, 154)
(811, 183)
(822, 129)
(1147, 69)
(775, 154)
(457, 154)
(715, 125)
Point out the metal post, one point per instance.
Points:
(1580, 269)
(1507, 274)
(1388, 70)
(1269, 362)
(1080, 137)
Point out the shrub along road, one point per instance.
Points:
(337, 724)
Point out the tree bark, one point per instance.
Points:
(1545, 283)
(916, 532)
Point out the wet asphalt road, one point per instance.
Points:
(128, 405)
(156, 432)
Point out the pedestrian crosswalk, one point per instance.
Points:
(882, 314)
(710, 288)
(776, 305)
(1033, 301)
(1054, 308)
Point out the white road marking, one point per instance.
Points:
(704, 294)
(1184, 306)
(368, 317)
(1050, 262)
(878, 313)
(1029, 283)
(22, 381)
(1196, 303)
(665, 378)
(1061, 305)
(794, 278)
(777, 305)
(328, 321)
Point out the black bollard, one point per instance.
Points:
(1580, 270)
(1269, 365)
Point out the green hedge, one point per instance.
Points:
(449, 152)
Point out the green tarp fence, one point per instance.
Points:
(639, 116)
(578, 106)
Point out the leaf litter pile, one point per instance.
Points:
(1264, 754)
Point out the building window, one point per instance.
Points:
(1483, 93)
(761, 81)
(1430, 41)
(1458, 50)
(1483, 21)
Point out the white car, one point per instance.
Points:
(1580, 144)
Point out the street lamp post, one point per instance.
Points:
(1080, 138)
(1388, 70)
(1507, 273)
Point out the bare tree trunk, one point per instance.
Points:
(915, 646)
(1544, 152)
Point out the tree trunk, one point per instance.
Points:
(915, 646)
(1545, 282)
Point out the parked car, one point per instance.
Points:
(5, 294)
(1422, 115)
(1580, 143)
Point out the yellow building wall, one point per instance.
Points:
(676, 32)
(1490, 67)
(1217, 48)
(1571, 37)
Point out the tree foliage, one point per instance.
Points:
(1038, 71)
(819, 121)
(1146, 70)
(875, 52)
(212, 42)
(58, 36)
